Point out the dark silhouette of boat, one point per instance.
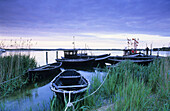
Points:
(69, 81)
(130, 57)
(44, 71)
(100, 61)
(73, 54)
(73, 63)
(141, 62)
(73, 59)
(94, 56)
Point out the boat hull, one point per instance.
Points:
(74, 63)
(140, 62)
(69, 82)
(100, 62)
(43, 72)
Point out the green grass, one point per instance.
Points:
(130, 87)
(11, 67)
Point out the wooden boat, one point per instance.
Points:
(44, 71)
(94, 56)
(69, 81)
(133, 58)
(2, 50)
(142, 62)
(73, 63)
(100, 62)
(73, 54)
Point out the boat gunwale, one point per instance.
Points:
(65, 91)
(45, 67)
(75, 60)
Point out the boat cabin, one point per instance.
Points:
(70, 54)
(73, 54)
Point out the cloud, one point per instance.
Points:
(70, 17)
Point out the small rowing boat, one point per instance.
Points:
(69, 81)
(44, 71)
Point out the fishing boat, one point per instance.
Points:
(100, 62)
(134, 57)
(2, 50)
(94, 56)
(73, 54)
(73, 63)
(141, 62)
(44, 71)
(69, 81)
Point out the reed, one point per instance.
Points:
(12, 70)
(128, 87)
(131, 87)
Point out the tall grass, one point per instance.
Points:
(14, 67)
(131, 87)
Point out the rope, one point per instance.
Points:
(11, 79)
(69, 104)
(95, 90)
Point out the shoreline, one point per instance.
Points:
(62, 49)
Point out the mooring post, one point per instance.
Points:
(151, 50)
(158, 53)
(56, 54)
(46, 57)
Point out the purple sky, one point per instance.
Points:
(62, 19)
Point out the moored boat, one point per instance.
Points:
(73, 54)
(94, 56)
(2, 51)
(69, 81)
(44, 71)
(73, 63)
(100, 61)
(142, 62)
(134, 58)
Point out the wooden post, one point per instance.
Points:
(151, 50)
(56, 54)
(46, 57)
(158, 53)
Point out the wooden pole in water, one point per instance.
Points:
(151, 50)
(46, 57)
(56, 54)
(158, 52)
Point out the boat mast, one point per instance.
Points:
(73, 42)
(135, 43)
(129, 42)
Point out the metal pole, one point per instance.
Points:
(56, 54)
(74, 42)
(46, 57)
(158, 52)
(151, 50)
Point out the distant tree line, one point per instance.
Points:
(162, 49)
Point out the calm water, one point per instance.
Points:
(38, 96)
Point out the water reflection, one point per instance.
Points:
(38, 96)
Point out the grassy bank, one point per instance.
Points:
(12, 70)
(128, 87)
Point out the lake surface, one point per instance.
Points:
(38, 96)
(40, 56)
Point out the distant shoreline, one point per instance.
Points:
(62, 49)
